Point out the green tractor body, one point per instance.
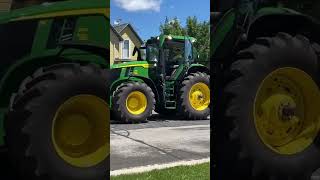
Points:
(264, 58)
(64, 43)
(32, 36)
(163, 64)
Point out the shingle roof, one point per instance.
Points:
(115, 31)
(119, 28)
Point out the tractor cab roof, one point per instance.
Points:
(162, 38)
(180, 37)
(56, 9)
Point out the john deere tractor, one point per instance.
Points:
(167, 78)
(265, 61)
(54, 79)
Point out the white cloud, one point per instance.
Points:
(139, 5)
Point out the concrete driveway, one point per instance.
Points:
(159, 141)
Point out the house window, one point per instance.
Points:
(125, 49)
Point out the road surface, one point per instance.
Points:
(158, 141)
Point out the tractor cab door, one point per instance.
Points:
(188, 52)
(163, 64)
(175, 57)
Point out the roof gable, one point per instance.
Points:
(117, 34)
(121, 27)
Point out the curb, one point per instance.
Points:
(142, 169)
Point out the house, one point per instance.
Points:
(129, 39)
(115, 41)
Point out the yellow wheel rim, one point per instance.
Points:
(80, 131)
(136, 102)
(285, 111)
(199, 96)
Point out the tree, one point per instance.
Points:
(193, 28)
(172, 27)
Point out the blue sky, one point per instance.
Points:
(147, 15)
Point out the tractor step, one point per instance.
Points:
(169, 95)
(170, 104)
(169, 92)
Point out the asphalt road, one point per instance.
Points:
(159, 141)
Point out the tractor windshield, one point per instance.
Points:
(176, 51)
(152, 52)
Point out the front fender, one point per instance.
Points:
(198, 68)
(17, 72)
(133, 78)
(269, 21)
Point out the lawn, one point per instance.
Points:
(199, 172)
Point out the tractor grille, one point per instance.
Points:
(16, 39)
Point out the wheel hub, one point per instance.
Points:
(136, 102)
(80, 131)
(199, 96)
(284, 119)
(76, 130)
(287, 111)
(133, 103)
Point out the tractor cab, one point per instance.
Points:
(171, 57)
(168, 54)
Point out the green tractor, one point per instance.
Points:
(265, 60)
(54, 79)
(167, 78)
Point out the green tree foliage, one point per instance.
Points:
(194, 28)
(172, 27)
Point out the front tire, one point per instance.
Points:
(58, 125)
(133, 102)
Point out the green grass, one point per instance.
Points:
(198, 172)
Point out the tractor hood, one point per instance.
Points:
(57, 9)
(143, 64)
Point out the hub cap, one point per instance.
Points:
(80, 131)
(285, 111)
(199, 96)
(136, 102)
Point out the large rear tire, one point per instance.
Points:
(272, 103)
(57, 128)
(194, 100)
